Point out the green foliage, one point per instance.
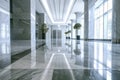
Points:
(68, 32)
(77, 26)
(44, 28)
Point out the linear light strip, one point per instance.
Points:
(69, 9)
(63, 8)
(47, 68)
(69, 67)
(45, 4)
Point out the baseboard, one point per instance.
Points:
(93, 39)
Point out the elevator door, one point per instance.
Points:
(56, 38)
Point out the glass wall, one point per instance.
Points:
(103, 20)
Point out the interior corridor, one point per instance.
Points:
(59, 40)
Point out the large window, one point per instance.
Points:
(103, 20)
(103, 61)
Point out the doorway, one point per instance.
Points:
(56, 38)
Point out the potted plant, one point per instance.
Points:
(68, 33)
(44, 29)
(77, 26)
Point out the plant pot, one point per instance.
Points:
(43, 36)
(78, 37)
(68, 37)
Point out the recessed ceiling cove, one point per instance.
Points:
(58, 10)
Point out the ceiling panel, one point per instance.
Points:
(78, 7)
(59, 10)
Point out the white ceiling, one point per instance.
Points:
(60, 10)
(78, 7)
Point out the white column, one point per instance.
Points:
(33, 27)
(33, 33)
(78, 15)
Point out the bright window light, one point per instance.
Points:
(4, 11)
(45, 4)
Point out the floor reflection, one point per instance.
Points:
(85, 60)
(60, 74)
(5, 55)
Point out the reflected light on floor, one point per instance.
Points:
(47, 68)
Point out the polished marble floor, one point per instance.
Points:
(74, 60)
